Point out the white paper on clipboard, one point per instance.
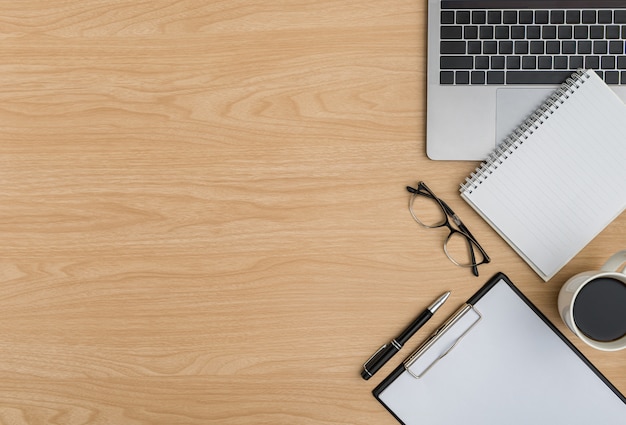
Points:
(509, 366)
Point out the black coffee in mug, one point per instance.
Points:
(600, 309)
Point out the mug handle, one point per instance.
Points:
(614, 262)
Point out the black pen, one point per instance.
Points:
(387, 351)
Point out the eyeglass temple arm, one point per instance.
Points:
(417, 191)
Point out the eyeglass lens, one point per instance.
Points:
(457, 247)
(427, 211)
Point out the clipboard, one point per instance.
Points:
(499, 360)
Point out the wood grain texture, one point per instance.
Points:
(203, 212)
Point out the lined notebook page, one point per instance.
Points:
(563, 181)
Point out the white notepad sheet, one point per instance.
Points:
(564, 183)
(510, 368)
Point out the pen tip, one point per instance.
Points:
(442, 299)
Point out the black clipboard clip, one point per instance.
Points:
(441, 342)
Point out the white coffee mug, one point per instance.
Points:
(572, 288)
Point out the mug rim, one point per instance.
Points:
(615, 345)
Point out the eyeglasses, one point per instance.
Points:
(431, 212)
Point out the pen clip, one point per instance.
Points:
(373, 355)
(436, 336)
(370, 359)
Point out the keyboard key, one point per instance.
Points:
(612, 31)
(533, 32)
(611, 77)
(521, 47)
(607, 62)
(456, 62)
(452, 48)
(537, 77)
(502, 32)
(446, 77)
(548, 32)
(495, 77)
(592, 62)
(525, 16)
(485, 32)
(554, 47)
(557, 17)
(518, 32)
(490, 47)
(616, 47)
(509, 17)
(569, 47)
(479, 17)
(451, 32)
(505, 47)
(481, 62)
(529, 62)
(541, 17)
(462, 17)
(581, 32)
(572, 16)
(589, 17)
(537, 48)
(497, 62)
(461, 77)
(565, 32)
(605, 16)
(478, 77)
(494, 17)
(620, 17)
(560, 62)
(576, 62)
(513, 62)
(623, 77)
(447, 17)
(470, 32)
(621, 62)
(474, 47)
(600, 47)
(584, 47)
(596, 31)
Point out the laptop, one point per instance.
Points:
(491, 63)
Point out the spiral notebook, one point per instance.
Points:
(560, 178)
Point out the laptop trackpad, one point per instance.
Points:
(515, 105)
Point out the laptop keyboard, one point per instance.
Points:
(531, 46)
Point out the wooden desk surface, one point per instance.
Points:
(203, 211)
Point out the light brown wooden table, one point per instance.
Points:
(203, 215)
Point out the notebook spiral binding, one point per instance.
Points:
(519, 136)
